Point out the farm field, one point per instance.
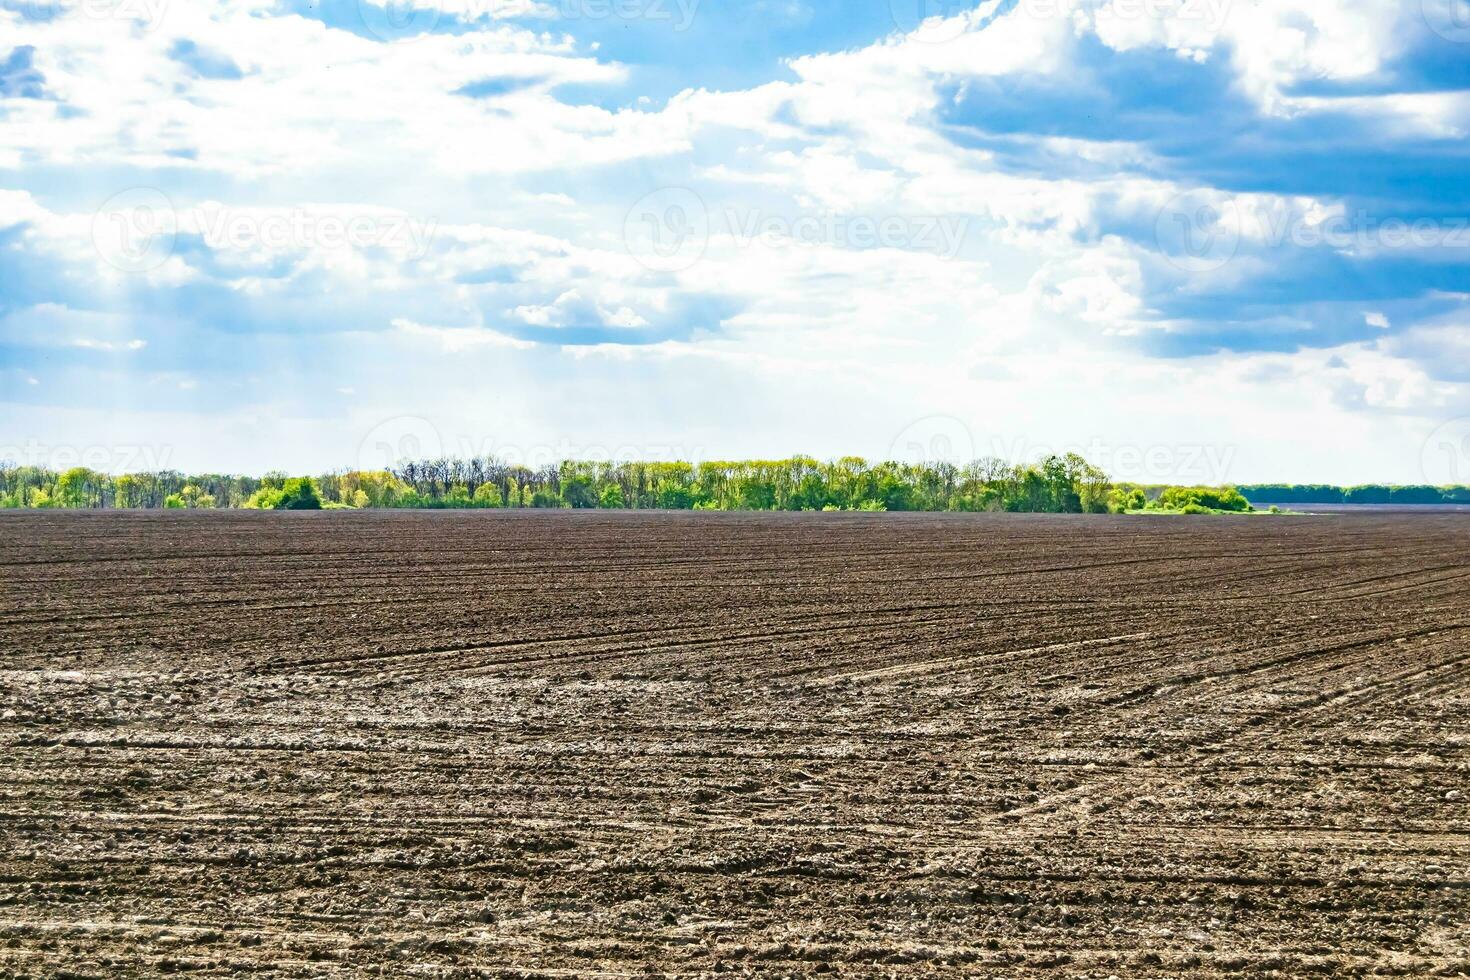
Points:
(568, 744)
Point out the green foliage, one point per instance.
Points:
(1123, 499)
(293, 493)
(612, 498)
(1057, 484)
(79, 487)
(300, 494)
(488, 495)
(547, 499)
(192, 497)
(579, 492)
(1371, 493)
(1416, 495)
(1207, 499)
(673, 495)
(266, 498)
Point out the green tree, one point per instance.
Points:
(79, 487)
(579, 492)
(488, 495)
(673, 495)
(612, 498)
(1204, 499)
(547, 500)
(300, 494)
(294, 493)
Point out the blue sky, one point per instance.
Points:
(1214, 240)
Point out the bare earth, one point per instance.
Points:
(594, 744)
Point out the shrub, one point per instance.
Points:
(1121, 500)
(546, 500)
(488, 495)
(266, 498)
(300, 494)
(612, 497)
(674, 496)
(579, 492)
(296, 493)
(1208, 498)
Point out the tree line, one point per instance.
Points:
(1057, 484)
(1371, 493)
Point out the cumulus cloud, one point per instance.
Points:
(1061, 201)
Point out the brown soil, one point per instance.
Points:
(577, 744)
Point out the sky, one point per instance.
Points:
(1194, 240)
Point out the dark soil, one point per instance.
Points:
(598, 744)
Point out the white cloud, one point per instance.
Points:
(514, 206)
(457, 340)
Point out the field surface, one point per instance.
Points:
(598, 744)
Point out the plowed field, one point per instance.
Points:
(598, 744)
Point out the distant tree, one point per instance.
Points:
(579, 492)
(546, 499)
(488, 495)
(673, 495)
(1203, 499)
(612, 497)
(80, 487)
(294, 493)
(1416, 495)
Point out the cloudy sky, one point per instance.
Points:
(1195, 239)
